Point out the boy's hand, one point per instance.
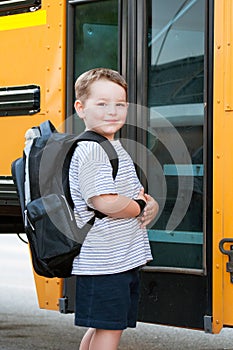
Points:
(141, 195)
(150, 211)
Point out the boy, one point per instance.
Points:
(117, 245)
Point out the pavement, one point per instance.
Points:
(23, 326)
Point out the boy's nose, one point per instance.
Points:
(111, 108)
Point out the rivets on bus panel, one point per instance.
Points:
(218, 46)
(218, 156)
(217, 321)
(217, 266)
(217, 211)
(218, 101)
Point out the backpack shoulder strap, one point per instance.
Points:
(47, 129)
(107, 146)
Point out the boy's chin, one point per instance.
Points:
(108, 131)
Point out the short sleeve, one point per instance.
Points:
(95, 174)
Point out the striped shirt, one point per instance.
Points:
(112, 245)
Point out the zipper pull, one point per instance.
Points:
(27, 221)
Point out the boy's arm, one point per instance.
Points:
(118, 206)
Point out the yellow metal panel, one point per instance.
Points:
(33, 55)
(29, 19)
(222, 162)
(33, 51)
(217, 167)
(228, 56)
(49, 290)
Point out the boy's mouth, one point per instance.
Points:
(112, 120)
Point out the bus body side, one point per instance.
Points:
(33, 53)
(32, 46)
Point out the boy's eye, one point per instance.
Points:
(121, 104)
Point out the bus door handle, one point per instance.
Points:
(229, 264)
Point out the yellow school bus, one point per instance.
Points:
(177, 58)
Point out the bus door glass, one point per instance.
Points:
(95, 39)
(176, 109)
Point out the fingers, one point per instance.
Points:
(145, 218)
(141, 194)
(144, 222)
(150, 211)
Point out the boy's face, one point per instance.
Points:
(105, 110)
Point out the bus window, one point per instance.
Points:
(95, 39)
(176, 108)
(9, 7)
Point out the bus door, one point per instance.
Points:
(176, 285)
(161, 47)
(189, 168)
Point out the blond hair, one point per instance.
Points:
(84, 81)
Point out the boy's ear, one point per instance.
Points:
(79, 108)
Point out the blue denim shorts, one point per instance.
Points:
(107, 301)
